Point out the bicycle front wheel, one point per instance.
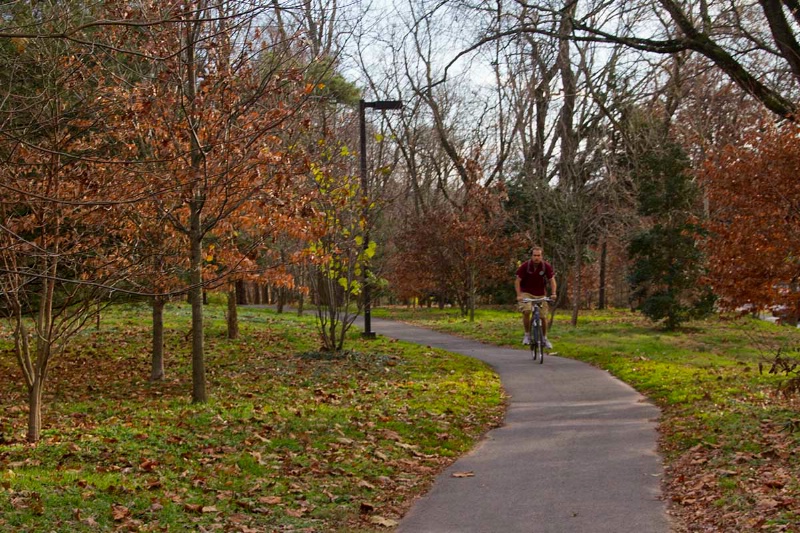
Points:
(537, 343)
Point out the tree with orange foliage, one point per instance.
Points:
(213, 129)
(754, 201)
(62, 247)
(455, 251)
(176, 129)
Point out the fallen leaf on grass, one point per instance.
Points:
(120, 513)
(768, 503)
(148, 465)
(464, 474)
(297, 513)
(391, 435)
(385, 522)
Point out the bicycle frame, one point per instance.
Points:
(537, 333)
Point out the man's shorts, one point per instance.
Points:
(527, 307)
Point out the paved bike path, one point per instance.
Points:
(576, 454)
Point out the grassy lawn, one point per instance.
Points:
(729, 437)
(292, 439)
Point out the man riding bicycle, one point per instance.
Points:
(531, 282)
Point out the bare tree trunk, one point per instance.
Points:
(157, 360)
(576, 304)
(199, 393)
(472, 295)
(196, 204)
(35, 408)
(241, 293)
(233, 316)
(281, 299)
(601, 304)
(43, 352)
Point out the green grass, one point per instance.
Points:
(298, 439)
(721, 413)
(292, 439)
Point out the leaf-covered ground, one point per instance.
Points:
(729, 436)
(293, 439)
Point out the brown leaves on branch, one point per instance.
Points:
(447, 249)
(754, 199)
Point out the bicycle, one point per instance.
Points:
(537, 335)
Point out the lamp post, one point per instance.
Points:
(362, 106)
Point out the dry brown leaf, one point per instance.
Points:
(382, 456)
(120, 512)
(391, 435)
(297, 513)
(382, 521)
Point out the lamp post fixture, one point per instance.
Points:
(362, 106)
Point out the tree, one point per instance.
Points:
(667, 263)
(214, 127)
(754, 44)
(339, 257)
(569, 99)
(62, 247)
(455, 251)
(754, 220)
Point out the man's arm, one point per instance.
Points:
(517, 287)
(553, 288)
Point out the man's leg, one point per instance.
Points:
(526, 318)
(526, 324)
(544, 313)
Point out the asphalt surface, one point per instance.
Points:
(576, 454)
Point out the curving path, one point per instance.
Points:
(577, 452)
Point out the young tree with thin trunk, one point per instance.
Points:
(62, 247)
(214, 126)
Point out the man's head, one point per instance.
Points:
(536, 254)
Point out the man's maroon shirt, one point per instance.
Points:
(534, 278)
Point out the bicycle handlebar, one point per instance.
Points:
(536, 300)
